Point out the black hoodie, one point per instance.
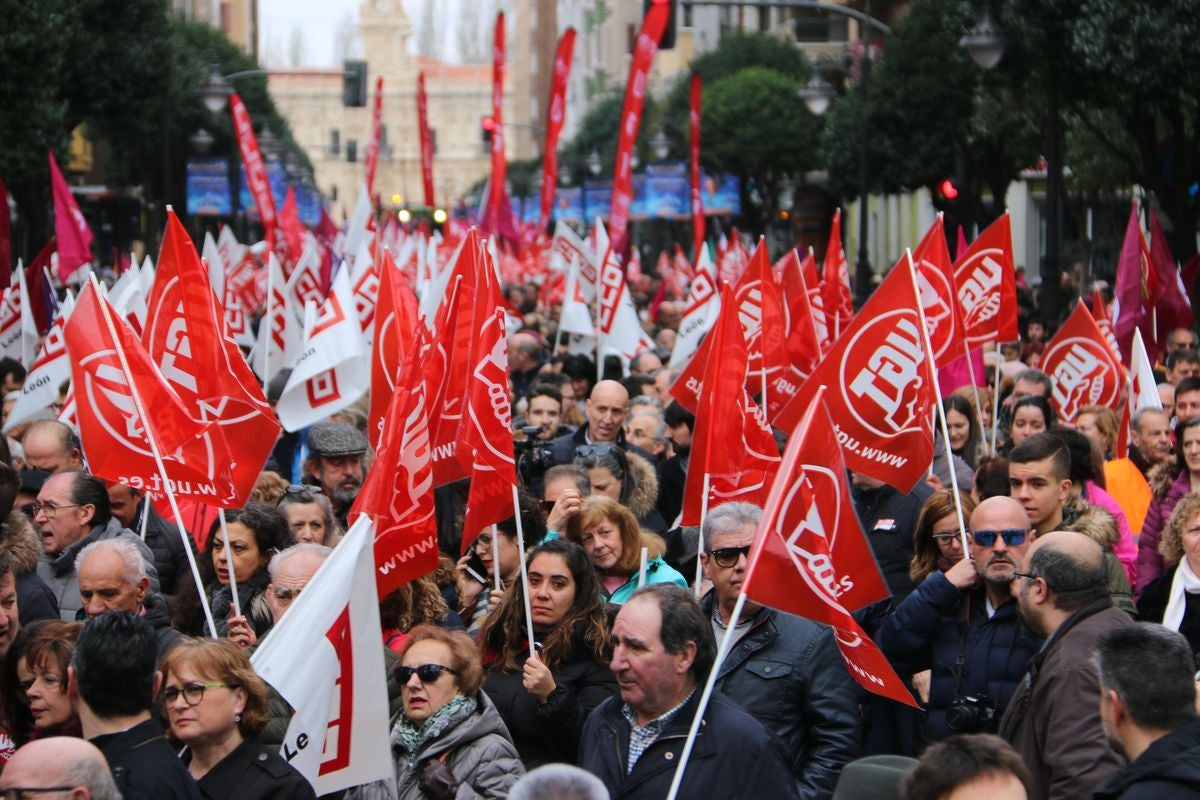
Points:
(1169, 769)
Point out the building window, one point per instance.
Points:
(687, 16)
(351, 150)
(335, 142)
(814, 26)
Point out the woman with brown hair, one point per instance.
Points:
(544, 699)
(216, 705)
(418, 602)
(937, 541)
(35, 699)
(610, 535)
(448, 742)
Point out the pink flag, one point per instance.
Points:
(70, 228)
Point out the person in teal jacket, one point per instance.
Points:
(613, 540)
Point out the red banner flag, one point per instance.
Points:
(987, 286)
(254, 167)
(293, 228)
(1172, 306)
(1131, 292)
(698, 222)
(115, 435)
(398, 492)
(37, 278)
(188, 339)
(426, 142)
(803, 342)
(70, 228)
(372, 157)
(396, 322)
(498, 196)
(653, 25)
(810, 557)
(882, 386)
(554, 123)
(935, 285)
(1084, 369)
(835, 281)
(1104, 320)
(732, 444)
(812, 280)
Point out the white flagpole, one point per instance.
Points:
(496, 559)
(996, 400)
(974, 385)
(524, 572)
(237, 610)
(706, 695)
(700, 537)
(154, 449)
(642, 567)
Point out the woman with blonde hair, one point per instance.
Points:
(1098, 423)
(610, 535)
(1174, 597)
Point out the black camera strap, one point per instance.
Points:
(963, 623)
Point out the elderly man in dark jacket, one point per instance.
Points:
(785, 671)
(963, 625)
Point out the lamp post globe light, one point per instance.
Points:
(593, 162)
(985, 42)
(216, 92)
(817, 94)
(660, 145)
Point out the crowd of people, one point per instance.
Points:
(1051, 644)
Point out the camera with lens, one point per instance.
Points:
(972, 714)
(533, 455)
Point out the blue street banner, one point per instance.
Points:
(597, 199)
(208, 192)
(568, 204)
(722, 195)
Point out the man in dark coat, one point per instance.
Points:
(663, 649)
(606, 407)
(1147, 705)
(889, 518)
(784, 670)
(114, 679)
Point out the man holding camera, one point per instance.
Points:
(963, 625)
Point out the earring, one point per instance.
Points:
(237, 718)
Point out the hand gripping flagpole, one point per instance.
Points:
(158, 460)
(940, 409)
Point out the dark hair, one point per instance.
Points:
(1173, 358)
(540, 389)
(1074, 582)
(1151, 668)
(675, 415)
(1087, 463)
(991, 479)
(1041, 404)
(533, 522)
(956, 402)
(579, 367)
(116, 659)
(1180, 427)
(1041, 446)
(6, 567)
(636, 384)
(583, 481)
(504, 630)
(553, 379)
(955, 760)
(616, 461)
(38, 643)
(1033, 375)
(10, 366)
(89, 490)
(269, 526)
(10, 485)
(1187, 385)
(683, 621)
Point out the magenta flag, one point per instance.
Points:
(70, 228)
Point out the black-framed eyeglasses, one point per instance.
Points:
(193, 693)
(426, 673)
(1011, 537)
(23, 792)
(944, 539)
(728, 557)
(1026, 575)
(50, 509)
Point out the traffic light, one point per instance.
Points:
(947, 190)
(354, 84)
(487, 127)
(668, 38)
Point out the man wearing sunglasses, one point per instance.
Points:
(963, 625)
(785, 671)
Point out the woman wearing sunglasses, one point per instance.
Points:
(544, 700)
(610, 535)
(216, 705)
(448, 741)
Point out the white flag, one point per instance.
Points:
(128, 298)
(50, 370)
(435, 290)
(216, 265)
(29, 331)
(324, 659)
(704, 303)
(279, 334)
(576, 316)
(304, 284)
(568, 246)
(1141, 374)
(621, 331)
(332, 370)
(359, 225)
(18, 331)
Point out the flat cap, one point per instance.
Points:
(334, 439)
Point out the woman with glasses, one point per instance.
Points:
(309, 515)
(610, 535)
(475, 572)
(937, 543)
(625, 477)
(35, 700)
(216, 706)
(544, 699)
(448, 742)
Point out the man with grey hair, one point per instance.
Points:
(558, 782)
(1148, 709)
(73, 767)
(1150, 439)
(643, 404)
(649, 432)
(52, 445)
(112, 577)
(786, 671)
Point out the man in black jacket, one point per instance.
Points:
(785, 670)
(663, 649)
(1147, 707)
(889, 518)
(113, 680)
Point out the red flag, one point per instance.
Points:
(70, 228)
(1187, 274)
(882, 385)
(803, 343)
(935, 284)
(1104, 320)
(554, 123)
(6, 262)
(37, 279)
(1172, 307)
(698, 222)
(396, 318)
(115, 436)
(255, 169)
(398, 492)
(188, 339)
(293, 228)
(812, 280)
(372, 157)
(811, 559)
(1084, 369)
(835, 282)
(498, 198)
(987, 286)
(732, 444)
(445, 372)
(653, 25)
(426, 142)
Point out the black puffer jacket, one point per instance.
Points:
(548, 732)
(1169, 769)
(786, 671)
(252, 601)
(159, 617)
(889, 518)
(162, 538)
(21, 541)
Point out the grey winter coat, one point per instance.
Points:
(58, 571)
(478, 750)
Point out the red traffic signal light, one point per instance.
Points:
(489, 124)
(948, 190)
